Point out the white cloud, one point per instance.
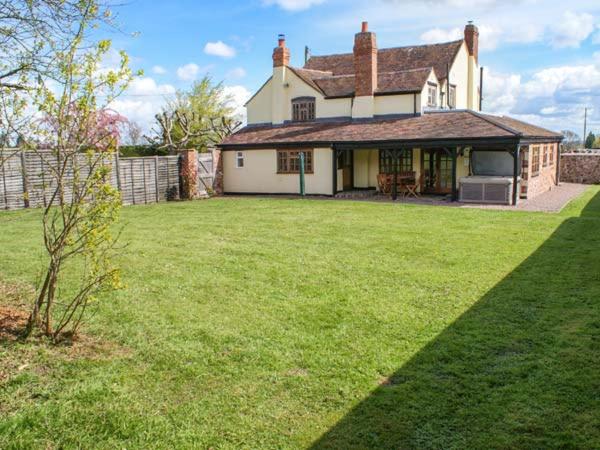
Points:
(219, 48)
(553, 97)
(238, 95)
(159, 70)
(500, 91)
(293, 5)
(571, 29)
(142, 101)
(188, 72)
(236, 73)
(436, 35)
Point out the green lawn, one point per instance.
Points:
(276, 323)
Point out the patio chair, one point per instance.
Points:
(412, 186)
(384, 183)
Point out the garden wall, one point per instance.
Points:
(580, 168)
(26, 179)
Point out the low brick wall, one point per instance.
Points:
(580, 168)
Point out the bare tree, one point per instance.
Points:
(572, 141)
(176, 130)
(133, 132)
(78, 219)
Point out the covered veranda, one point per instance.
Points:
(425, 169)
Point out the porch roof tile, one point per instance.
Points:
(447, 125)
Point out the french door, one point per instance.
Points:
(436, 167)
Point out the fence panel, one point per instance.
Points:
(11, 186)
(28, 179)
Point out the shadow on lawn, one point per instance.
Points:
(518, 370)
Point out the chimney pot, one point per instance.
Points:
(364, 27)
(472, 40)
(281, 54)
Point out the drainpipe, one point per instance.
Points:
(448, 85)
(481, 89)
(415, 104)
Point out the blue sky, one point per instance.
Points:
(542, 58)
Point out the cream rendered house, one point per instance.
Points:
(406, 112)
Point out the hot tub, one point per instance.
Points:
(487, 189)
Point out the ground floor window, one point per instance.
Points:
(239, 160)
(288, 161)
(404, 163)
(535, 160)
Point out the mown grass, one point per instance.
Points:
(275, 323)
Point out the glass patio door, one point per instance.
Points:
(436, 167)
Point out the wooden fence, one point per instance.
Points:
(26, 179)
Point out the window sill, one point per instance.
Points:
(295, 173)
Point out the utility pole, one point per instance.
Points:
(584, 127)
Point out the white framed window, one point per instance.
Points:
(239, 160)
(452, 97)
(432, 95)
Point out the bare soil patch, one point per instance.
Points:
(37, 353)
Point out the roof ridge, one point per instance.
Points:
(490, 119)
(307, 80)
(418, 69)
(387, 49)
(529, 124)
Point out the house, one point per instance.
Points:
(364, 117)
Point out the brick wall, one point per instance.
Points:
(544, 178)
(365, 62)
(580, 168)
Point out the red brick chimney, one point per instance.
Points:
(365, 62)
(472, 40)
(281, 54)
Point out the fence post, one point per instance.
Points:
(25, 181)
(132, 181)
(156, 184)
(118, 169)
(144, 179)
(2, 164)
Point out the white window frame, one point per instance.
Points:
(452, 97)
(239, 157)
(432, 93)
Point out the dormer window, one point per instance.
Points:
(452, 97)
(303, 109)
(432, 95)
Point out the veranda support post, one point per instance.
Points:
(301, 161)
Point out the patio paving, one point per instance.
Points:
(552, 201)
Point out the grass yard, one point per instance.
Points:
(276, 323)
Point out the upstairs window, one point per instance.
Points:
(432, 95)
(288, 161)
(303, 109)
(452, 97)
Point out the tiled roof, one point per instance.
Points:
(397, 59)
(449, 125)
(402, 81)
(519, 126)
